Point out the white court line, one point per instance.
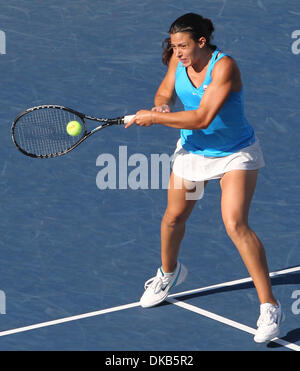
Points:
(68, 319)
(228, 322)
(136, 304)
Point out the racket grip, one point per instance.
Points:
(128, 118)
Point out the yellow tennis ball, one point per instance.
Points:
(74, 128)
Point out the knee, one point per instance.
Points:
(173, 219)
(235, 227)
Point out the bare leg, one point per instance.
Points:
(237, 190)
(173, 224)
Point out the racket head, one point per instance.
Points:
(40, 131)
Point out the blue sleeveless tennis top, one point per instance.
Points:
(228, 132)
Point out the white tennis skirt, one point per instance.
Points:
(196, 168)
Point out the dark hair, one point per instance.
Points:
(195, 25)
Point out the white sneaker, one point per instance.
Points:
(268, 322)
(158, 287)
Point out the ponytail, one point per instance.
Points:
(167, 51)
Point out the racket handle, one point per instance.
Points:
(128, 118)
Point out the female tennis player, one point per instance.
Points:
(216, 142)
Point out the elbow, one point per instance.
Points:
(202, 124)
(206, 124)
(202, 121)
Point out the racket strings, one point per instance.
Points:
(43, 132)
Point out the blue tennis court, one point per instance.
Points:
(74, 257)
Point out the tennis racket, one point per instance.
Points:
(40, 131)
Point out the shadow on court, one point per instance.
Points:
(286, 279)
(292, 337)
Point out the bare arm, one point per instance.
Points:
(224, 78)
(165, 94)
